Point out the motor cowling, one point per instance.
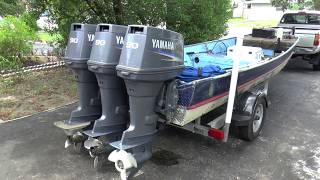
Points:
(107, 46)
(79, 44)
(151, 54)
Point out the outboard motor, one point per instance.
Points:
(104, 58)
(89, 108)
(150, 57)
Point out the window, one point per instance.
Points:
(301, 18)
(235, 5)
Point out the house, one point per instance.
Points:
(44, 22)
(255, 9)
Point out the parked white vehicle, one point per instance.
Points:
(307, 27)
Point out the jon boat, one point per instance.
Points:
(203, 94)
(179, 85)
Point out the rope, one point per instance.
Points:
(51, 65)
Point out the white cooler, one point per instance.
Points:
(245, 53)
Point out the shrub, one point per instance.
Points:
(10, 63)
(30, 20)
(15, 41)
(198, 21)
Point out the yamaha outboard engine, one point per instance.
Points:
(105, 55)
(150, 57)
(89, 108)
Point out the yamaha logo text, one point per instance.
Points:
(119, 40)
(90, 37)
(162, 44)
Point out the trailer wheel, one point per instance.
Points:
(316, 67)
(252, 131)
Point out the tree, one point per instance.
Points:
(300, 4)
(316, 4)
(284, 4)
(99, 11)
(11, 7)
(196, 20)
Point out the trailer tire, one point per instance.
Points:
(253, 129)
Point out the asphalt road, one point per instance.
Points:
(288, 148)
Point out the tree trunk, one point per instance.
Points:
(118, 11)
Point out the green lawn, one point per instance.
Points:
(239, 22)
(236, 20)
(47, 37)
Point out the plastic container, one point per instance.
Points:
(245, 53)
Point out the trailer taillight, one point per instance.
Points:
(216, 133)
(316, 40)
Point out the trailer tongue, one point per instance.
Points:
(150, 57)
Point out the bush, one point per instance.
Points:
(15, 42)
(30, 20)
(198, 21)
(9, 63)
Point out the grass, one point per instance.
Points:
(36, 91)
(236, 20)
(252, 24)
(47, 37)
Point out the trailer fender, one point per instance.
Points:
(245, 106)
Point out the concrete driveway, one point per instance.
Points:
(289, 146)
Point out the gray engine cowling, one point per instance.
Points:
(151, 54)
(76, 56)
